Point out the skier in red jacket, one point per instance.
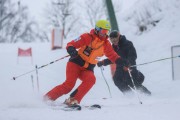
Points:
(84, 52)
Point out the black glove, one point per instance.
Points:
(124, 63)
(72, 51)
(107, 62)
(104, 62)
(100, 63)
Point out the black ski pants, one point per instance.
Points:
(122, 79)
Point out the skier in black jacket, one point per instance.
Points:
(126, 50)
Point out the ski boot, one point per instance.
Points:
(144, 90)
(72, 103)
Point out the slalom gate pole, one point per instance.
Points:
(105, 81)
(155, 61)
(14, 78)
(32, 82)
(37, 77)
(135, 90)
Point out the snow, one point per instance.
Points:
(20, 101)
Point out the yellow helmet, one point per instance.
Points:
(103, 24)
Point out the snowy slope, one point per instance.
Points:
(19, 101)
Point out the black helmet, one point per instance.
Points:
(114, 34)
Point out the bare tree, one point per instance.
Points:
(94, 11)
(15, 24)
(61, 14)
(144, 15)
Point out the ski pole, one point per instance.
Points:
(155, 61)
(135, 90)
(14, 78)
(106, 81)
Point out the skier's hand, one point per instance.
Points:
(72, 51)
(123, 62)
(100, 63)
(125, 68)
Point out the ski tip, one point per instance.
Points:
(75, 107)
(96, 106)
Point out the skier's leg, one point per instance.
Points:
(120, 82)
(72, 72)
(88, 80)
(138, 78)
(143, 90)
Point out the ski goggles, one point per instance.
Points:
(104, 32)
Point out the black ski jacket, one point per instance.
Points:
(126, 50)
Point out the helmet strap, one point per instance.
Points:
(97, 29)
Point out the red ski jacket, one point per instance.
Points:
(90, 48)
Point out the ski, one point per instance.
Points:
(92, 107)
(76, 107)
(72, 108)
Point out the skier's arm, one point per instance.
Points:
(131, 55)
(71, 47)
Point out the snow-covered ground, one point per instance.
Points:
(20, 99)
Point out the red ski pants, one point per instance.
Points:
(73, 72)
